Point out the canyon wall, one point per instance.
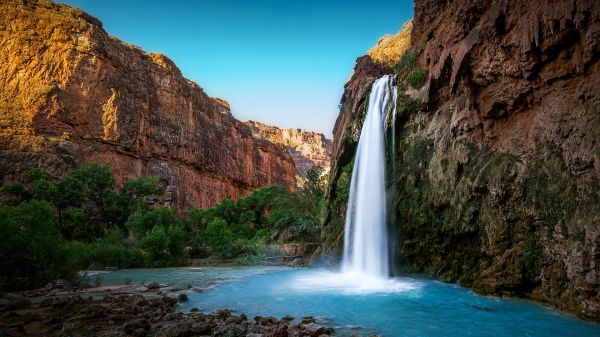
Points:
(497, 177)
(71, 94)
(307, 148)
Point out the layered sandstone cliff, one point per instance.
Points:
(497, 183)
(307, 148)
(70, 94)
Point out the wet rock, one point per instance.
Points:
(233, 319)
(201, 328)
(168, 301)
(141, 289)
(194, 310)
(280, 330)
(308, 319)
(139, 332)
(297, 262)
(46, 302)
(223, 313)
(136, 299)
(61, 284)
(181, 330)
(16, 302)
(153, 285)
(314, 329)
(140, 323)
(182, 297)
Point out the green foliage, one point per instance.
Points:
(407, 106)
(32, 251)
(142, 187)
(14, 193)
(416, 78)
(261, 256)
(532, 254)
(51, 227)
(407, 61)
(142, 221)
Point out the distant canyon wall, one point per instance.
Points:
(71, 94)
(308, 148)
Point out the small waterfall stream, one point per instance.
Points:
(365, 238)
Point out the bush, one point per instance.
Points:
(32, 251)
(104, 254)
(407, 61)
(142, 221)
(416, 78)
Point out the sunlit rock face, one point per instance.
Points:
(390, 48)
(70, 94)
(497, 183)
(308, 148)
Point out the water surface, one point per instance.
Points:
(399, 307)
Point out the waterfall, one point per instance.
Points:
(365, 237)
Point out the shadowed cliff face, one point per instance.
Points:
(497, 184)
(70, 94)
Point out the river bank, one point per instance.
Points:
(119, 310)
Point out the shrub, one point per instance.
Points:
(32, 251)
(416, 78)
(407, 61)
(103, 254)
(141, 221)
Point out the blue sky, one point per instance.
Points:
(279, 62)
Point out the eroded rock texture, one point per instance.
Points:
(308, 148)
(497, 182)
(70, 94)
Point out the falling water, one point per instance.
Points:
(366, 243)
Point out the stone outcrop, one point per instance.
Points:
(125, 314)
(497, 184)
(390, 48)
(71, 94)
(307, 148)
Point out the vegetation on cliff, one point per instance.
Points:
(51, 228)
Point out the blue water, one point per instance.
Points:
(402, 307)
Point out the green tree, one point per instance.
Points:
(142, 221)
(32, 251)
(14, 193)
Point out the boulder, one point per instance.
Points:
(16, 302)
(133, 325)
(182, 297)
(201, 328)
(314, 329)
(169, 301)
(153, 285)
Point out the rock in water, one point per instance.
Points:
(153, 285)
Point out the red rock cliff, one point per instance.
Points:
(70, 94)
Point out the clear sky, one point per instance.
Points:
(279, 62)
